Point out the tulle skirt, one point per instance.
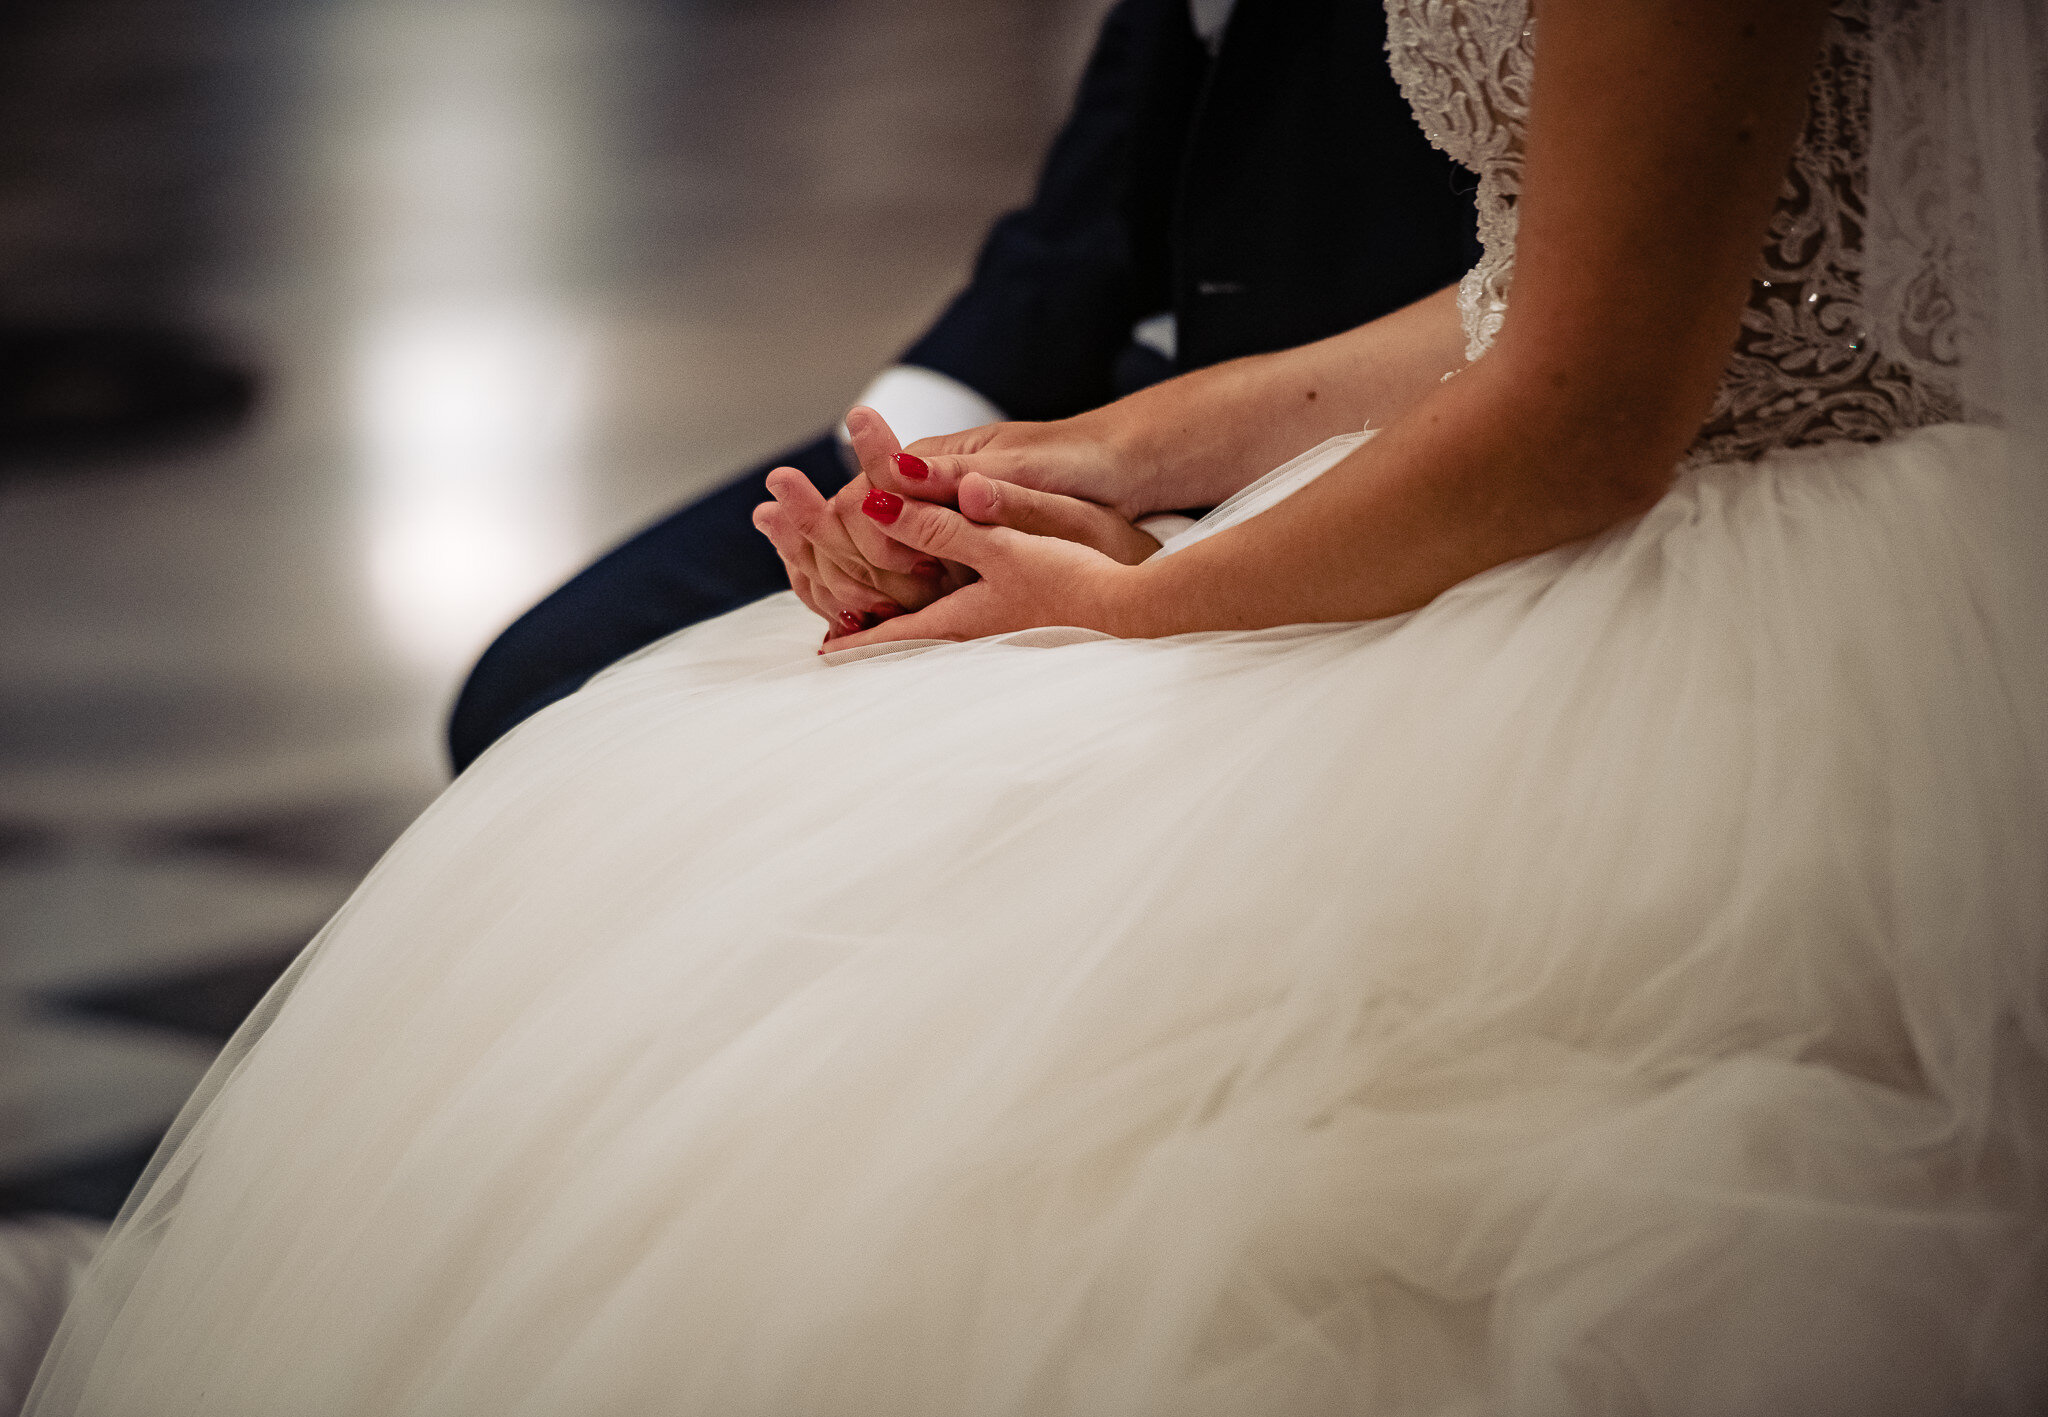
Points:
(1616, 987)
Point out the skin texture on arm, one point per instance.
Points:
(847, 568)
(1188, 442)
(1658, 136)
(1193, 440)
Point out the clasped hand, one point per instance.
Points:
(937, 543)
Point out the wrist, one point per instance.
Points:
(1130, 481)
(1177, 444)
(1136, 605)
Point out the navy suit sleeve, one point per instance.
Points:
(1058, 284)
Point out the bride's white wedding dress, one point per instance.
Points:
(1616, 987)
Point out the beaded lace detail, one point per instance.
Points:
(1808, 366)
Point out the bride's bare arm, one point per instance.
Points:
(1193, 440)
(1189, 442)
(1658, 136)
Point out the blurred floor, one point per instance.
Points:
(518, 274)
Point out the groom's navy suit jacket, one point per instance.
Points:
(1272, 195)
(1275, 195)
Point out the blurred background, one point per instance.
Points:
(332, 334)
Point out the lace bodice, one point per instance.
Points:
(1808, 366)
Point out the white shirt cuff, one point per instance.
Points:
(923, 403)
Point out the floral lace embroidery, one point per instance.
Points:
(1465, 69)
(1807, 366)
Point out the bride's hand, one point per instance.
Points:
(832, 577)
(1024, 581)
(829, 571)
(1078, 458)
(852, 572)
(1024, 502)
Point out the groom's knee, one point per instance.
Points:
(700, 561)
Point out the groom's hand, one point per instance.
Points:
(1070, 457)
(1022, 581)
(992, 503)
(988, 499)
(828, 571)
(846, 566)
(834, 580)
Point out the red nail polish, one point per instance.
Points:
(850, 620)
(884, 507)
(912, 466)
(926, 568)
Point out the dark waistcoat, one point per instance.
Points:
(1274, 195)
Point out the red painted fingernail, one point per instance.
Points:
(927, 568)
(912, 466)
(884, 507)
(850, 620)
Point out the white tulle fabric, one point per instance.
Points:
(1617, 987)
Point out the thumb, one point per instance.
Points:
(930, 468)
(873, 440)
(939, 531)
(1029, 510)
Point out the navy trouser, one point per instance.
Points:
(696, 563)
